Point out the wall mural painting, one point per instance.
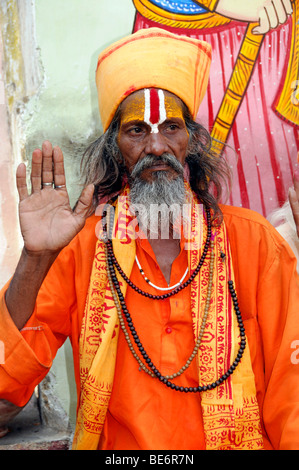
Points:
(252, 103)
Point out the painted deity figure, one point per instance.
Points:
(251, 104)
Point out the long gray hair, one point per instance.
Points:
(103, 165)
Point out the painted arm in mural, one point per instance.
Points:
(47, 223)
(268, 13)
(294, 200)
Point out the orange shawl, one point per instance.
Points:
(230, 411)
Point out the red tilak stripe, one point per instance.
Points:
(154, 104)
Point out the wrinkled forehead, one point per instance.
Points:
(151, 105)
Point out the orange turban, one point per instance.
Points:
(152, 58)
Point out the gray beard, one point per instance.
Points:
(158, 204)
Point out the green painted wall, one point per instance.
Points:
(70, 35)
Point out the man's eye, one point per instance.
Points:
(172, 127)
(135, 130)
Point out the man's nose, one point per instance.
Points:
(156, 144)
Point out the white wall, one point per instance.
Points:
(70, 36)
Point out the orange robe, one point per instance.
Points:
(143, 413)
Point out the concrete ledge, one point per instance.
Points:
(27, 432)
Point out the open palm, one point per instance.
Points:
(47, 221)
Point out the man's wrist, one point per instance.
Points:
(39, 255)
(22, 292)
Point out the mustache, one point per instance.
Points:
(150, 160)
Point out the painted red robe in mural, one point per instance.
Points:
(262, 146)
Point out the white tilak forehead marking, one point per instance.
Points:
(162, 106)
(147, 110)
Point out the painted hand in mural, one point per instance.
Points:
(47, 221)
(268, 13)
(294, 200)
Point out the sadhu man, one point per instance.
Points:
(184, 337)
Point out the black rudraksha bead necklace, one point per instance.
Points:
(122, 310)
(177, 289)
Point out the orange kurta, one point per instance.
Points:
(268, 292)
(169, 340)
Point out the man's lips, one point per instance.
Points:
(147, 172)
(159, 166)
(144, 168)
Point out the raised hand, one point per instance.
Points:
(48, 224)
(47, 221)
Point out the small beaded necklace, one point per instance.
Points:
(121, 307)
(153, 285)
(122, 311)
(107, 239)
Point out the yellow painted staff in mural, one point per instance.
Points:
(262, 16)
(272, 14)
